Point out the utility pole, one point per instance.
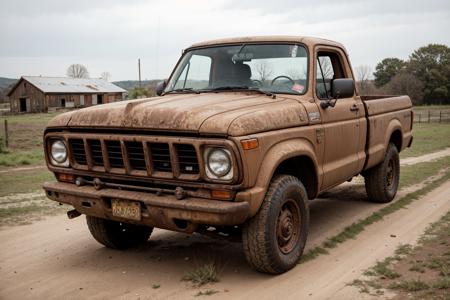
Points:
(139, 67)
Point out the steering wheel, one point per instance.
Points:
(283, 76)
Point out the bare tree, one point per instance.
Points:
(326, 67)
(297, 74)
(363, 78)
(77, 71)
(264, 70)
(106, 76)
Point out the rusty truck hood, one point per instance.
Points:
(226, 113)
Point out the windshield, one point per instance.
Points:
(274, 68)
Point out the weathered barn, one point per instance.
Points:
(40, 94)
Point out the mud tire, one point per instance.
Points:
(117, 235)
(266, 250)
(382, 180)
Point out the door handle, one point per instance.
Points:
(354, 107)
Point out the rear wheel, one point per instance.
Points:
(382, 180)
(275, 237)
(117, 235)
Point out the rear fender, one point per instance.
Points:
(393, 126)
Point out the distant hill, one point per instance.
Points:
(5, 85)
(131, 84)
(6, 82)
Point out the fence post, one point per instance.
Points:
(440, 116)
(420, 117)
(6, 134)
(429, 115)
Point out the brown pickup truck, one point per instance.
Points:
(244, 132)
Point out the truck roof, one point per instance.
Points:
(309, 41)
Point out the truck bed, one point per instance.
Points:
(390, 115)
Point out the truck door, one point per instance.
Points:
(341, 124)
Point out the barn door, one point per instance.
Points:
(81, 100)
(22, 104)
(28, 104)
(94, 99)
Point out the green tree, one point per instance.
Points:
(431, 65)
(137, 93)
(386, 69)
(405, 83)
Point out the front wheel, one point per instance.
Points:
(275, 237)
(382, 180)
(117, 235)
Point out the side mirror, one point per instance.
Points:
(160, 87)
(342, 88)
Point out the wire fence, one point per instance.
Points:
(432, 116)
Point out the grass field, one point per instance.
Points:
(428, 138)
(25, 139)
(413, 174)
(24, 181)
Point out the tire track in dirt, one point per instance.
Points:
(20, 169)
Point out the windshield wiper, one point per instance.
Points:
(183, 90)
(240, 87)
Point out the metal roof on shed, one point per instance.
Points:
(72, 85)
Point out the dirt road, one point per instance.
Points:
(57, 259)
(427, 157)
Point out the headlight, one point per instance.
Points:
(58, 153)
(218, 163)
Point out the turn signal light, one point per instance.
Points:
(65, 177)
(250, 144)
(218, 194)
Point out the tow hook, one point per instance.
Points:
(71, 214)
(98, 184)
(180, 193)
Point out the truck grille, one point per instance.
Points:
(187, 158)
(96, 152)
(78, 152)
(115, 157)
(136, 155)
(145, 158)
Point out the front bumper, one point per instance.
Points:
(162, 211)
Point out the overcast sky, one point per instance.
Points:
(44, 37)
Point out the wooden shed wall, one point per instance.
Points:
(37, 101)
(35, 98)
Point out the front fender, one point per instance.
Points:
(272, 159)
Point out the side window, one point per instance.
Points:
(196, 73)
(329, 67)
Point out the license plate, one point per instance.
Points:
(126, 209)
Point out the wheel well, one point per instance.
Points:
(303, 168)
(396, 139)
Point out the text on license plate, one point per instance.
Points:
(126, 209)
